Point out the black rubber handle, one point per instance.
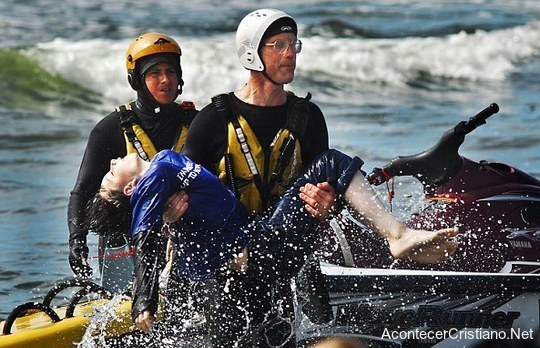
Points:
(480, 118)
(71, 283)
(21, 310)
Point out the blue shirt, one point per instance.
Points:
(211, 228)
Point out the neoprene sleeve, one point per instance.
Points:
(149, 259)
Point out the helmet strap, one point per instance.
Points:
(265, 74)
(180, 83)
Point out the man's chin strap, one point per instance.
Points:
(265, 74)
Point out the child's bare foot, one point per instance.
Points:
(424, 246)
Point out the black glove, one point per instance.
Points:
(78, 258)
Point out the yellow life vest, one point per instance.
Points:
(259, 179)
(147, 144)
(138, 141)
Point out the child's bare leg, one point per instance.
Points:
(418, 245)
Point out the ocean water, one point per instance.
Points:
(390, 76)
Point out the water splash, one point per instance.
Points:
(102, 317)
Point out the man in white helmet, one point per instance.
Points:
(267, 46)
(262, 137)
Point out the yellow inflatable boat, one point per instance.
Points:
(40, 325)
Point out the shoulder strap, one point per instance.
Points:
(297, 120)
(224, 107)
(298, 114)
(126, 117)
(180, 137)
(189, 112)
(247, 154)
(224, 110)
(125, 114)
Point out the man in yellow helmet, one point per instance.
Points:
(147, 125)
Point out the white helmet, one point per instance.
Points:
(251, 31)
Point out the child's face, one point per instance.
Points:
(122, 172)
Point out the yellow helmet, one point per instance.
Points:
(150, 44)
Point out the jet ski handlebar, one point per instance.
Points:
(480, 118)
(439, 163)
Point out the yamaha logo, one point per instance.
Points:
(520, 244)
